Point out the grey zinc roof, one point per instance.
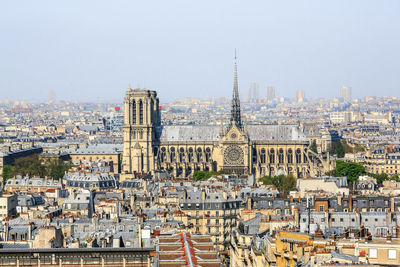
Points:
(187, 133)
(276, 133)
(210, 133)
(97, 149)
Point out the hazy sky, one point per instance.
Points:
(92, 50)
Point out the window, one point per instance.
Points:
(333, 219)
(134, 112)
(290, 156)
(391, 254)
(172, 154)
(373, 253)
(298, 156)
(262, 156)
(140, 112)
(341, 219)
(272, 156)
(322, 219)
(280, 156)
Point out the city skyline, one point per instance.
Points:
(92, 54)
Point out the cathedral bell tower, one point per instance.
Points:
(141, 116)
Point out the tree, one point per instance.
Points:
(288, 183)
(350, 169)
(30, 165)
(339, 150)
(8, 172)
(205, 175)
(33, 166)
(201, 175)
(56, 168)
(282, 182)
(395, 178)
(380, 177)
(346, 147)
(313, 146)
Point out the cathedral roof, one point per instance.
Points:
(211, 133)
(276, 133)
(188, 133)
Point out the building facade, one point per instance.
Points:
(234, 146)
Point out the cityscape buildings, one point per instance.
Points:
(190, 173)
(200, 207)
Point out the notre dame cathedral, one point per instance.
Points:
(236, 148)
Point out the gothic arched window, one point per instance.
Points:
(162, 154)
(172, 154)
(272, 156)
(280, 155)
(133, 112)
(140, 112)
(181, 154)
(199, 155)
(262, 155)
(290, 156)
(208, 154)
(190, 155)
(298, 155)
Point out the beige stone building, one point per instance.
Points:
(234, 146)
(8, 205)
(379, 161)
(212, 213)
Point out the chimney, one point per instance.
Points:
(30, 231)
(249, 206)
(350, 203)
(392, 203)
(339, 200)
(7, 228)
(388, 238)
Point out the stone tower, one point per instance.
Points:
(141, 116)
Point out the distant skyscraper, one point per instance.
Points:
(52, 96)
(345, 93)
(270, 93)
(300, 96)
(253, 92)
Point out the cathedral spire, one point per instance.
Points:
(235, 108)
